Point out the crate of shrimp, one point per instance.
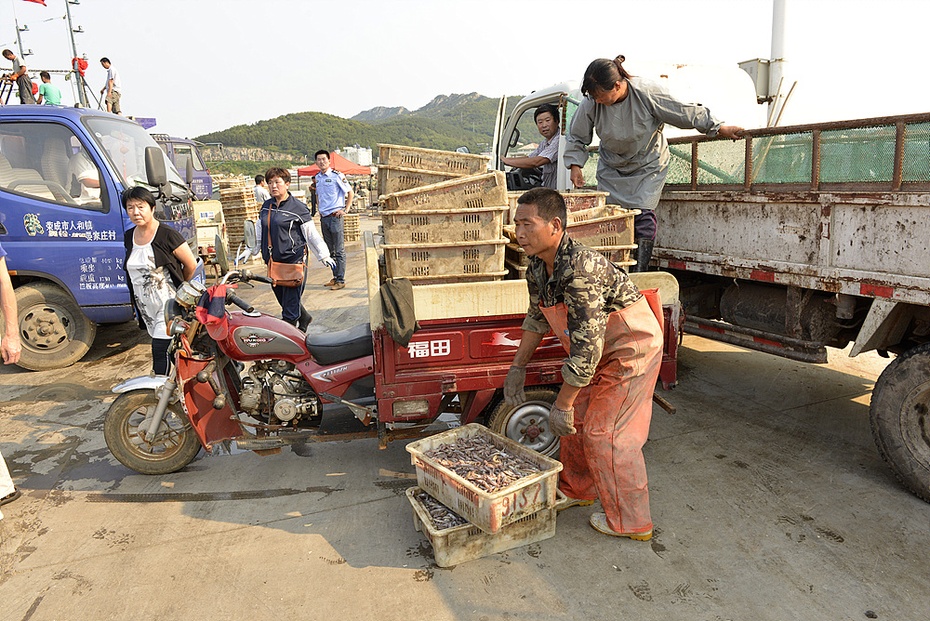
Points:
(486, 478)
(397, 178)
(609, 225)
(432, 159)
(442, 225)
(454, 540)
(471, 192)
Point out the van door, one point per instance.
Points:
(64, 236)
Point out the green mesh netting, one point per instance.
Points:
(857, 155)
(784, 158)
(917, 152)
(721, 162)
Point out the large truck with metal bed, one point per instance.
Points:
(797, 239)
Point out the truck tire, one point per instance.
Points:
(175, 445)
(528, 423)
(900, 418)
(54, 331)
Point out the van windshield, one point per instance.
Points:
(124, 143)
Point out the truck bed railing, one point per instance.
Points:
(882, 154)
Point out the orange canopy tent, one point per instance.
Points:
(338, 162)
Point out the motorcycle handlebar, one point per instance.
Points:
(232, 298)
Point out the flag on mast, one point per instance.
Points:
(42, 2)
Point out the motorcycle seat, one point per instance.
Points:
(348, 344)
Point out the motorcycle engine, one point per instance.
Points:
(276, 392)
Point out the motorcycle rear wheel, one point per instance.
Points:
(174, 446)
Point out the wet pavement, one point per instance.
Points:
(769, 498)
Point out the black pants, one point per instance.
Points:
(160, 359)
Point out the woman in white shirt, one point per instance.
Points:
(158, 260)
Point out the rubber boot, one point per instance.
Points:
(304, 320)
(643, 255)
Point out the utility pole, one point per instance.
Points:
(82, 91)
(19, 39)
(777, 62)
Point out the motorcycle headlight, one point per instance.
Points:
(189, 293)
(177, 326)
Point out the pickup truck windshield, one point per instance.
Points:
(124, 143)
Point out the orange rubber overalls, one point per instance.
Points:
(605, 459)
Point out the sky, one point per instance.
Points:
(199, 66)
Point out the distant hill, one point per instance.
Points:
(447, 122)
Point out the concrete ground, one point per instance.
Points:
(769, 498)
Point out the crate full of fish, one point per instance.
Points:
(488, 479)
(454, 540)
(432, 159)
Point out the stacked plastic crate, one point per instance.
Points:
(516, 514)
(450, 231)
(591, 221)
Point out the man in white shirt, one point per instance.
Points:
(546, 155)
(112, 88)
(261, 190)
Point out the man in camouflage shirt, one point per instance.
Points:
(614, 346)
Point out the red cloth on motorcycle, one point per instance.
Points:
(211, 311)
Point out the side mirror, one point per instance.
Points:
(514, 137)
(155, 172)
(221, 257)
(248, 235)
(189, 170)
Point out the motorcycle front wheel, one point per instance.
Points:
(173, 447)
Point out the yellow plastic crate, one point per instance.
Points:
(471, 192)
(459, 544)
(602, 226)
(575, 200)
(397, 179)
(432, 159)
(442, 225)
(489, 511)
(444, 259)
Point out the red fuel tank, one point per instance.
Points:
(256, 337)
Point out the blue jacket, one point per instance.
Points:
(287, 240)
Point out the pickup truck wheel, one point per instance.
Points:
(528, 423)
(173, 447)
(900, 419)
(54, 331)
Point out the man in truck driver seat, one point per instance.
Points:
(614, 345)
(546, 155)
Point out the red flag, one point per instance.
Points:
(42, 2)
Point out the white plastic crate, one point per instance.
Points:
(459, 544)
(432, 226)
(489, 511)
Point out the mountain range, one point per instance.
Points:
(447, 122)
